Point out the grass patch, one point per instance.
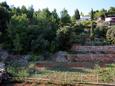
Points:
(69, 75)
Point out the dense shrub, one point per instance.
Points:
(65, 37)
(100, 31)
(111, 35)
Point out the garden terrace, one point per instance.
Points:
(108, 49)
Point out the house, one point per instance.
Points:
(83, 18)
(110, 20)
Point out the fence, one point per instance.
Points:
(65, 79)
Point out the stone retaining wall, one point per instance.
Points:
(91, 57)
(110, 49)
(92, 54)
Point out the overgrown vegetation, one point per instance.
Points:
(25, 30)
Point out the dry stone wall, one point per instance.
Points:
(93, 48)
(105, 54)
(91, 57)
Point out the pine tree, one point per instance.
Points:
(77, 14)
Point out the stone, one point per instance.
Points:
(60, 56)
(3, 55)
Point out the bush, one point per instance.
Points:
(86, 23)
(111, 35)
(106, 75)
(34, 58)
(100, 31)
(65, 37)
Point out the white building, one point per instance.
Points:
(83, 18)
(110, 20)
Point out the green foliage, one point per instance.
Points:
(65, 37)
(16, 34)
(86, 23)
(23, 73)
(65, 18)
(106, 74)
(34, 58)
(24, 10)
(4, 20)
(92, 14)
(100, 32)
(5, 5)
(77, 15)
(100, 13)
(39, 44)
(55, 17)
(111, 35)
(16, 72)
(19, 21)
(16, 43)
(42, 31)
(111, 11)
(22, 37)
(30, 14)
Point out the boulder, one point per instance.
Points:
(3, 55)
(60, 56)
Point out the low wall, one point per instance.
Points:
(109, 49)
(92, 54)
(91, 57)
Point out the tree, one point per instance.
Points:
(100, 31)
(18, 11)
(77, 15)
(92, 29)
(111, 11)
(44, 17)
(111, 35)
(19, 21)
(4, 4)
(100, 13)
(65, 18)
(81, 14)
(55, 17)
(30, 14)
(4, 20)
(92, 14)
(36, 37)
(64, 37)
(16, 36)
(24, 10)
(17, 44)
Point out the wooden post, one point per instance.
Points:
(81, 77)
(65, 77)
(97, 79)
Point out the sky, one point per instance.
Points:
(83, 5)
